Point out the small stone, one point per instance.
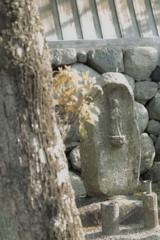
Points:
(153, 127)
(131, 82)
(155, 172)
(75, 158)
(82, 57)
(142, 102)
(154, 107)
(64, 56)
(142, 116)
(154, 139)
(77, 184)
(110, 218)
(147, 153)
(155, 76)
(71, 145)
(150, 210)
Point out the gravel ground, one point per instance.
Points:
(127, 232)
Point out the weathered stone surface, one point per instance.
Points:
(75, 159)
(142, 116)
(82, 68)
(110, 152)
(82, 57)
(148, 79)
(145, 90)
(155, 76)
(153, 137)
(106, 60)
(147, 152)
(131, 82)
(153, 127)
(154, 107)
(77, 184)
(154, 173)
(110, 218)
(139, 62)
(142, 102)
(157, 145)
(150, 210)
(71, 145)
(130, 209)
(63, 56)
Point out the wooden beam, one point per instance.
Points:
(108, 19)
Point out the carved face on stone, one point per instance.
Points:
(115, 103)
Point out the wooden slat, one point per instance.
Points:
(88, 19)
(69, 20)
(50, 20)
(108, 19)
(144, 18)
(156, 10)
(126, 18)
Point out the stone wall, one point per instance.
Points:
(140, 66)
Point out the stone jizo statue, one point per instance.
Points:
(116, 118)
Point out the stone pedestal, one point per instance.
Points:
(110, 218)
(150, 210)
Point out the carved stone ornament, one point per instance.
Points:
(117, 139)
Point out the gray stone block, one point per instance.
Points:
(106, 60)
(154, 107)
(155, 76)
(150, 210)
(153, 127)
(82, 57)
(142, 116)
(75, 158)
(139, 62)
(82, 68)
(154, 173)
(110, 218)
(145, 90)
(147, 153)
(131, 82)
(64, 56)
(154, 139)
(77, 184)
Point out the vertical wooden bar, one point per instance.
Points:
(50, 20)
(156, 11)
(88, 19)
(126, 17)
(108, 19)
(144, 17)
(69, 20)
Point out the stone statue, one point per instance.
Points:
(116, 118)
(110, 151)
